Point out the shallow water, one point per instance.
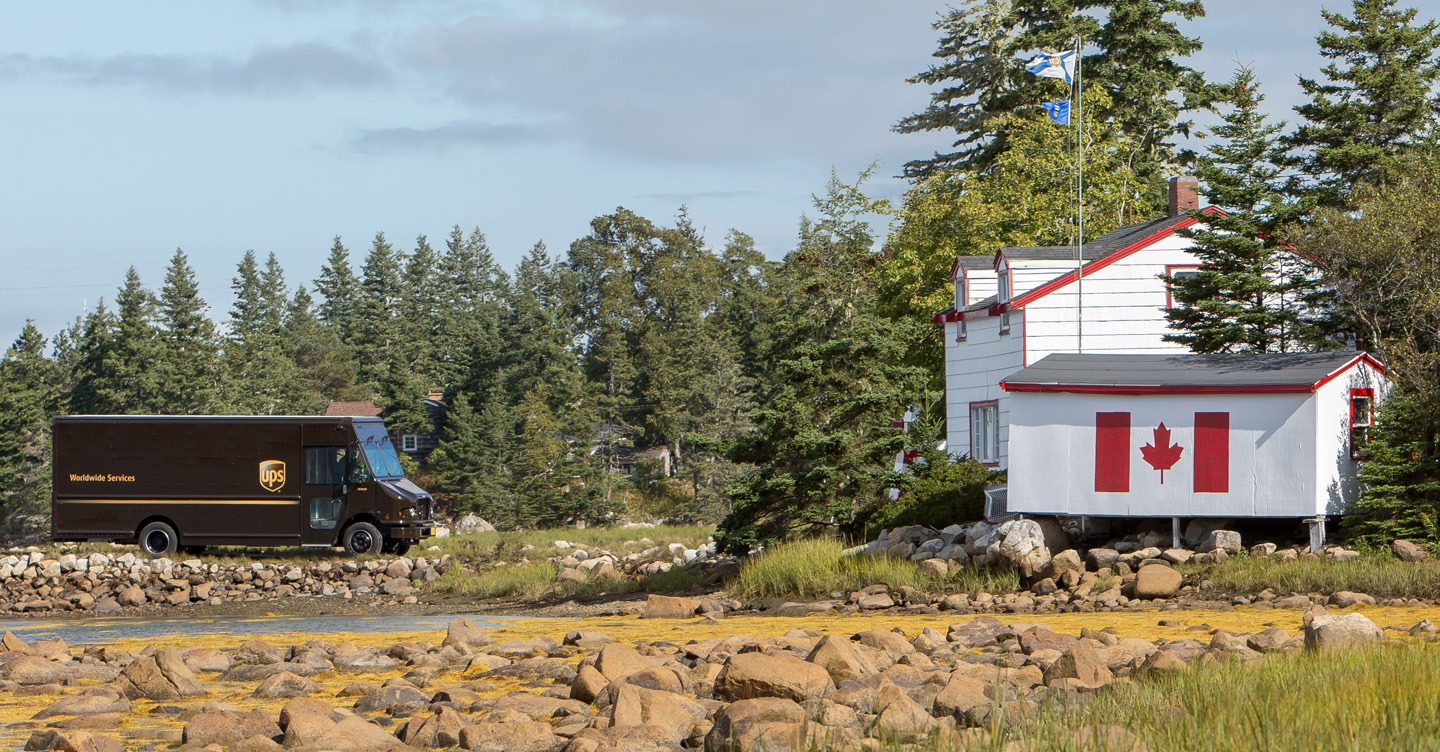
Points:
(117, 630)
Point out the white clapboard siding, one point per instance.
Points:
(973, 370)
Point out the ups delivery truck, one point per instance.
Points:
(183, 483)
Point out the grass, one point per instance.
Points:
(1379, 698)
(509, 545)
(814, 568)
(1376, 574)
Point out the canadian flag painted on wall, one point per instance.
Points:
(1115, 445)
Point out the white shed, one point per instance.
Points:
(1183, 436)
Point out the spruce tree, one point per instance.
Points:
(259, 368)
(1379, 101)
(1250, 293)
(340, 290)
(421, 298)
(324, 370)
(120, 357)
(30, 395)
(375, 310)
(190, 370)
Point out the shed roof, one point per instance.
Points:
(1184, 374)
(362, 409)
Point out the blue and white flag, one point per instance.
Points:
(1059, 111)
(1053, 65)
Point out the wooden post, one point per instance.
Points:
(1317, 533)
(1175, 532)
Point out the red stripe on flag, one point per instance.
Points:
(1212, 452)
(1112, 452)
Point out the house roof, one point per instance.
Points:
(1184, 374)
(363, 409)
(1100, 247)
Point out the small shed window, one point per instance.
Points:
(985, 432)
(1005, 322)
(409, 442)
(960, 331)
(1176, 273)
(1362, 418)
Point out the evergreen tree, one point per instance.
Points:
(419, 311)
(30, 395)
(402, 397)
(472, 309)
(822, 437)
(1400, 477)
(340, 290)
(1250, 294)
(260, 370)
(120, 357)
(981, 75)
(375, 310)
(1380, 99)
(191, 375)
(471, 463)
(324, 370)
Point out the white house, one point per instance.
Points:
(1023, 304)
(1184, 436)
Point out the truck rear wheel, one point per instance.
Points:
(159, 539)
(363, 538)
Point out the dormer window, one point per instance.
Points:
(962, 293)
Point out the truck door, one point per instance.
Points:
(322, 500)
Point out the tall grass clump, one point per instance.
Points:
(1376, 574)
(1376, 698)
(510, 544)
(814, 568)
(524, 581)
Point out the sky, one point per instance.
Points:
(132, 129)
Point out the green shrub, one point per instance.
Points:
(945, 491)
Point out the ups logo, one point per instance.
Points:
(272, 475)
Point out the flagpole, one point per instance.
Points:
(1080, 206)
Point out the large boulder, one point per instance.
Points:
(1405, 550)
(66, 740)
(103, 699)
(1079, 665)
(285, 684)
(1156, 581)
(1220, 540)
(618, 660)
(840, 659)
(1328, 632)
(439, 729)
(32, 669)
(144, 679)
(1022, 544)
(636, 706)
(750, 675)
(667, 607)
(465, 632)
(900, 718)
(470, 524)
(773, 724)
(227, 727)
(535, 736)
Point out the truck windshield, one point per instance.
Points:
(378, 450)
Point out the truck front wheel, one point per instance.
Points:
(159, 539)
(363, 538)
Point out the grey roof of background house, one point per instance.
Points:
(1098, 248)
(1218, 370)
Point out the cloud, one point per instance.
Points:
(284, 69)
(456, 133)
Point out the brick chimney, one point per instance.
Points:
(1183, 197)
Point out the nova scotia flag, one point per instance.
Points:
(1053, 65)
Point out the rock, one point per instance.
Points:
(584, 638)
(934, 568)
(751, 675)
(206, 660)
(875, 601)
(145, 679)
(464, 632)
(840, 659)
(439, 729)
(1269, 641)
(667, 607)
(307, 726)
(960, 693)
(131, 596)
(285, 684)
(884, 639)
(1157, 581)
(588, 684)
(1404, 550)
(1102, 558)
(900, 718)
(73, 741)
(618, 660)
(32, 669)
(637, 706)
(226, 727)
(471, 524)
(1053, 535)
(1346, 599)
(258, 652)
(1079, 664)
(1023, 546)
(355, 734)
(769, 723)
(1262, 549)
(1162, 662)
(1066, 561)
(534, 736)
(1328, 633)
(395, 698)
(104, 699)
(1220, 540)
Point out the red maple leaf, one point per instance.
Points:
(1162, 455)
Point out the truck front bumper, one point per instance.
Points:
(411, 530)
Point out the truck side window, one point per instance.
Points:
(359, 471)
(325, 465)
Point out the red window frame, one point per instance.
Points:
(1170, 270)
(1358, 452)
(985, 403)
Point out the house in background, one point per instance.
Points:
(1023, 304)
(417, 446)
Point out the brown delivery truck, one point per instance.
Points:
(185, 482)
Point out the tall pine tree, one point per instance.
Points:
(30, 395)
(190, 370)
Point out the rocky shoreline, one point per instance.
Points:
(591, 692)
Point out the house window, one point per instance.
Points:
(409, 443)
(1362, 418)
(960, 331)
(962, 294)
(1174, 273)
(985, 432)
(1003, 282)
(1005, 322)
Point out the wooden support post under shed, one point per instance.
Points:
(1317, 533)
(1175, 532)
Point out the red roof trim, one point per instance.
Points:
(1101, 263)
(1195, 389)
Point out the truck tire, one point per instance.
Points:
(159, 539)
(363, 538)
